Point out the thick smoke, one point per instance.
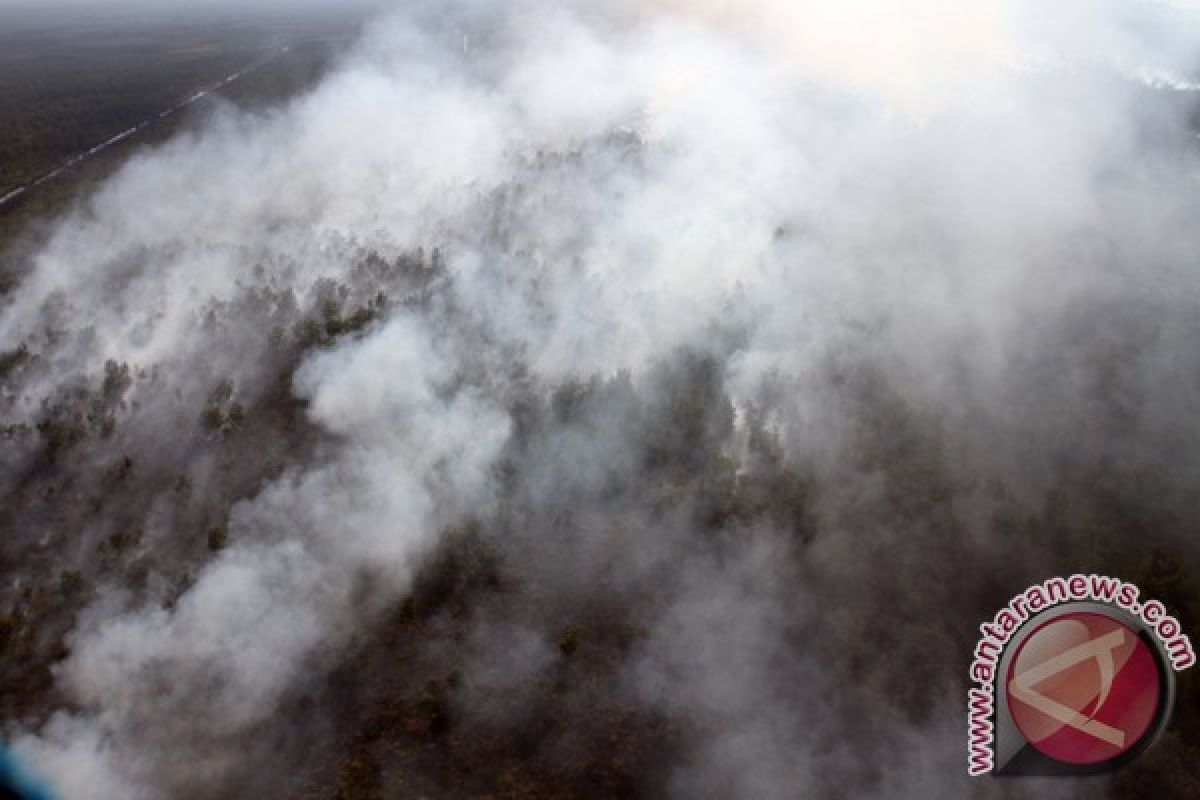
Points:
(741, 356)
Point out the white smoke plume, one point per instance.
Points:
(776, 217)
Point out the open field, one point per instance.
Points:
(67, 89)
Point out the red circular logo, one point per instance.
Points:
(1083, 688)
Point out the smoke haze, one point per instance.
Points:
(694, 377)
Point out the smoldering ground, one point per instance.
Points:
(619, 400)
